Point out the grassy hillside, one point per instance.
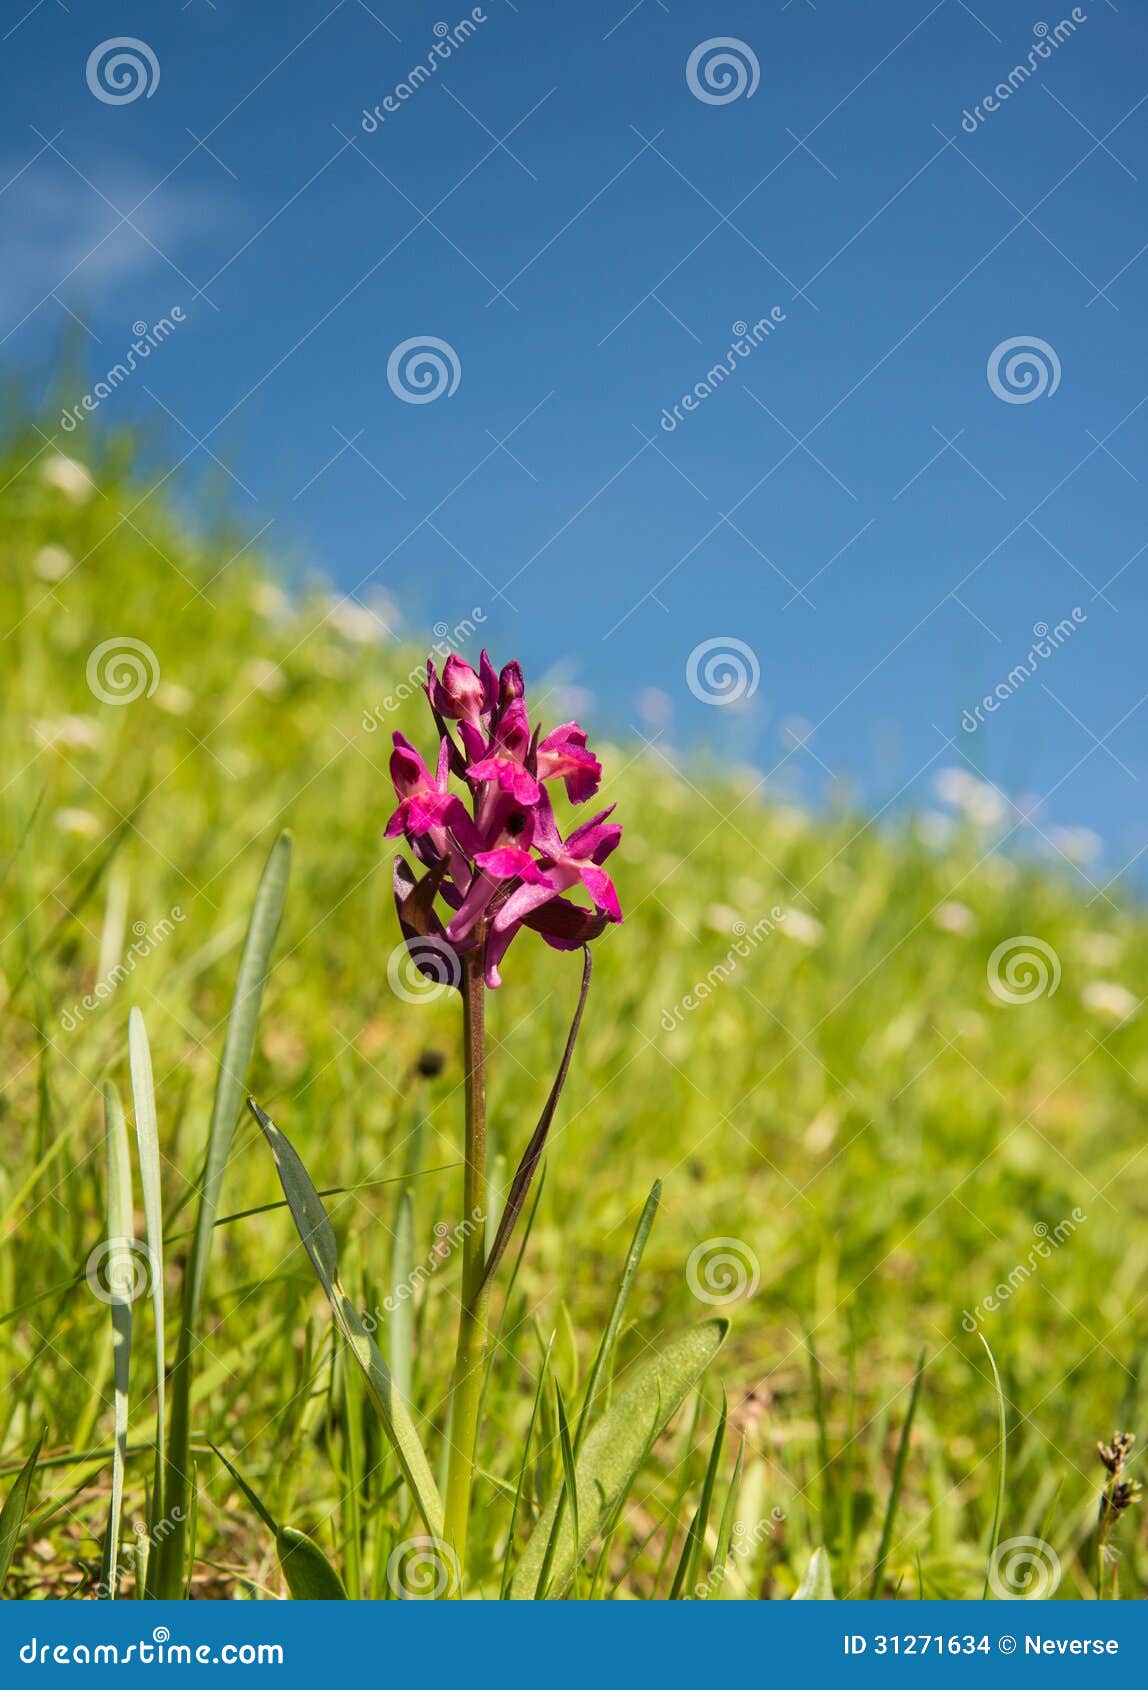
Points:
(882, 1138)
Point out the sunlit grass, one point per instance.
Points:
(883, 1139)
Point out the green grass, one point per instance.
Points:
(879, 1134)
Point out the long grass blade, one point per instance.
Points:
(614, 1449)
(999, 1502)
(147, 1143)
(239, 1042)
(532, 1155)
(318, 1238)
(118, 1286)
(14, 1509)
(898, 1479)
(610, 1335)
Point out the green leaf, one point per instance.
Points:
(999, 1502)
(318, 1238)
(610, 1335)
(310, 1576)
(613, 1452)
(401, 1326)
(167, 1574)
(118, 1273)
(14, 1509)
(898, 1479)
(147, 1142)
(817, 1585)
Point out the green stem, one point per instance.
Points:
(473, 1332)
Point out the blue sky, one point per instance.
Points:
(853, 502)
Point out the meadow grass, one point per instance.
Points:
(878, 1139)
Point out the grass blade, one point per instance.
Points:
(147, 1142)
(614, 1449)
(401, 1325)
(14, 1509)
(118, 1275)
(998, 1506)
(238, 1044)
(318, 1238)
(817, 1585)
(898, 1478)
(610, 1335)
(532, 1155)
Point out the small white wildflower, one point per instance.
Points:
(75, 733)
(68, 477)
(720, 918)
(362, 624)
(1100, 950)
(52, 563)
(804, 929)
(261, 675)
(1108, 999)
(269, 600)
(173, 698)
(1078, 844)
(984, 805)
(82, 823)
(954, 917)
(951, 786)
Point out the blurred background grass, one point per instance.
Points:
(882, 1136)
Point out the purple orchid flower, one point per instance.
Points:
(501, 864)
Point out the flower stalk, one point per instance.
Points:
(473, 1329)
(493, 863)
